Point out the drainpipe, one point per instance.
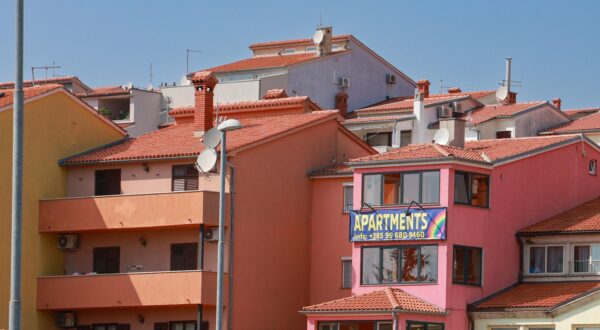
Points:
(395, 325)
(200, 268)
(231, 232)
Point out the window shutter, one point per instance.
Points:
(192, 178)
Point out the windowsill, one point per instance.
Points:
(469, 205)
(469, 285)
(399, 284)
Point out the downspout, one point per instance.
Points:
(521, 260)
(395, 325)
(230, 264)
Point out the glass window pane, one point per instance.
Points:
(479, 190)
(346, 274)
(537, 259)
(431, 326)
(595, 263)
(409, 264)
(461, 184)
(372, 189)
(555, 259)
(390, 265)
(384, 326)
(429, 268)
(431, 187)
(405, 138)
(348, 192)
(459, 265)
(474, 266)
(416, 326)
(410, 188)
(391, 186)
(582, 259)
(370, 266)
(190, 326)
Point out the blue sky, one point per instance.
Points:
(555, 44)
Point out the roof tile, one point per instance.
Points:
(490, 112)
(583, 124)
(28, 92)
(583, 218)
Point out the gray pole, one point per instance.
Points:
(508, 72)
(14, 309)
(221, 232)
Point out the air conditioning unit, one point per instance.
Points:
(66, 319)
(444, 112)
(68, 241)
(390, 78)
(344, 82)
(211, 234)
(456, 107)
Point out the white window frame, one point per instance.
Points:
(329, 325)
(289, 50)
(384, 323)
(343, 260)
(572, 258)
(565, 266)
(592, 167)
(344, 186)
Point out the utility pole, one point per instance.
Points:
(187, 59)
(14, 308)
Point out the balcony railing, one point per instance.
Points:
(586, 266)
(169, 288)
(129, 211)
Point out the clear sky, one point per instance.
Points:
(555, 44)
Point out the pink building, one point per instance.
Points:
(434, 225)
(138, 224)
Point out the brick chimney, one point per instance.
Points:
(454, 90)
(275, 94)
(341, 103)
(512, 98)
(204, 84)
(423, 86)
(557, 102)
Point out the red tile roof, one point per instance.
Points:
(264, 62)
(178, 141)
(584, 218)
(270, 44)
(490, 112)
(340, 169)
(541, 295)
(29, 83)
(374, 119)
(28, 92)
(386, 300)
(577, 113)
(482, 151)
(405, 105)
(583, 124)
(105, 91)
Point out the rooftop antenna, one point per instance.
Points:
(503, 91)
(45, 67)
(187, 59)
(442, 87)
(150, 73)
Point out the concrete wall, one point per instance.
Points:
(56, 126)
(236, 91)
(145, 108)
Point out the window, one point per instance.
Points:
(592, 167)
(348, 192)
(467, 265)
(384, 326)
(503, 135)
(184, 256)
(182, 325)
(289, 51)
(545, 259)
(346, 273)
(586, 258)
(328, 326)
(402, 188)
(471, 189)
(106, 260)
(405, 138)
(107, 182)
(399, 264)
(379, 139)
(110, 326)
(416, 325)
(185, 177)
(311, 49)
(504, 328)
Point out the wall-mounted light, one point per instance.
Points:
(146, 167)
(141, 318)
(143, 241)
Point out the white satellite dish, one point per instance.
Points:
(318, 37)
(502, 93)
(212, 138)
(442, 136)
(206, 160)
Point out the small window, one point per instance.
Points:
(111, 326)
(471, 189)
(384, 326)
(467, 265)
(107, 182)
(107, 260)
(417, 325)
(184, 256)
(379, 139)
(503, 135)
(185, 177)
(328, 326)
(311, 49)
(182, 325)
(545, 259)
(405, 138)
(289, 51)
(348, 195)
(346, 273)
(592, 167)
(402, 188)
(586, 258)
(399, 264)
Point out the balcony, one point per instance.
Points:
(126, 290)
(129, 211)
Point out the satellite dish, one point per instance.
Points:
(212, 138)
(318, 37)
(502, 93)
(206, 160)
(442, 136)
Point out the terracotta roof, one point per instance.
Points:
(583, 124)
(405, 105)
(7, 97)
(584, 218)
(105, 91)
(482, 151)
(490, 112)
(264, 62)
(296, 41)
(178, 140)
(539, 296)
(275, 94)
(29, 83)
(386, 300)
(374, 119)
(578, 113)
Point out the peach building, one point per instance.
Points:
(138, 226)
(433, 226)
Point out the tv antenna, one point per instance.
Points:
(187, 59)
(45, 67)
(503, 91)
(442, 87)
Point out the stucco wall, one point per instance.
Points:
(145, 107)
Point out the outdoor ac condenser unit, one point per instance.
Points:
(66, 319)
(68, 241)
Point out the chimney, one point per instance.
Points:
(324, 40)
(424, 87)
(456, 129)
(421, 120)
(512, 98)
(204, 84)
(275, 94)
(557, 102)
(454, 90)
(341, 103)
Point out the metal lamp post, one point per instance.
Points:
(224, 127)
